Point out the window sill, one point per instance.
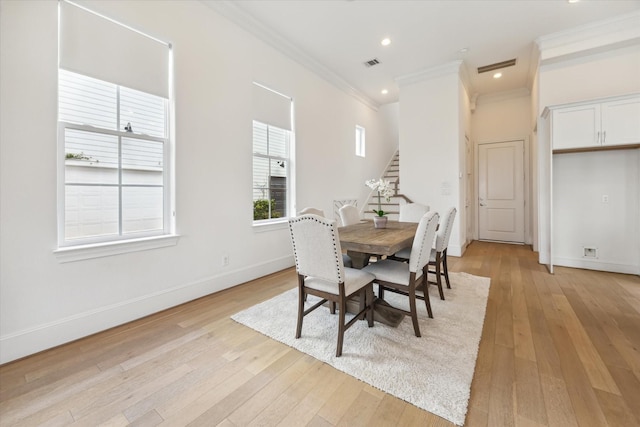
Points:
(99, 250)
(278, 224)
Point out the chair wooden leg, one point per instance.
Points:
(341, 326)
(446, 269)
(301, 298)
(439, 276)
(380, 292)
(414, 312)
(362, 301)
(427, 300)
(332, 307)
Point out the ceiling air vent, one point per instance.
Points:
(371, 62)
(497, 66)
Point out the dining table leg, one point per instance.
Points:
(359, 260)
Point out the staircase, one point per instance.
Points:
(391, 174)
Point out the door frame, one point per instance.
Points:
(527, 185)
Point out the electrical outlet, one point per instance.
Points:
(605, 198)
(225, 260)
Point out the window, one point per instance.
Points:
(270, 167)
(359, 141)
(272, 138)
(114, 141)
(114, 148)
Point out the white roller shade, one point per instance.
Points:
(95, 46)
(271, 108)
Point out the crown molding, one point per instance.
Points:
(621, 30)
(466, 80)
(534, 65)
(233, 12)
(452, 67)
(503, 96)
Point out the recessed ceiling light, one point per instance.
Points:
(497, 75)
(464, 50)
(573, 1)
(384, 91)
(385, 41)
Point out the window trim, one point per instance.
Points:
(103, 249)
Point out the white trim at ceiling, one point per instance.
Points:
(488, 98)
(452, 67)
(239, 16)
(621, 30)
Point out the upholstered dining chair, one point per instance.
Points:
(346, 259)
(321, 272)
(409, 212)
(412, 212)
(407, 278)
(314, 211)
(438, 256)
(349, 214)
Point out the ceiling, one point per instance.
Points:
(336, 37)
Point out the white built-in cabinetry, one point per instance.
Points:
(590, 170)
(601, 124)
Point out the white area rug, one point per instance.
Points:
(433, 372)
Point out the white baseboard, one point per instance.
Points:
(42, 337)
(589, 264)
(455, 250)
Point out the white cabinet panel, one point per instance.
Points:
(597, 124)
(576, 126)
(621, 122)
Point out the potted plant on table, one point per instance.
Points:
(384, 190)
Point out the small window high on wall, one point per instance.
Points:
(360, 141)
(272, 147)
(114, 148)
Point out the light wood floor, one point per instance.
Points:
(556, 350)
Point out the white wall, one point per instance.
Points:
(533, 163)
(43, 302)
(503, 116)
(581, 219)
(464, 138)
(614, 72)
(603, 74)
(430, 147)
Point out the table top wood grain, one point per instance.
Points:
(365, 238)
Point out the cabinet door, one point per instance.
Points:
(621, 122)
(575, 127)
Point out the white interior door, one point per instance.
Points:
(501, 191)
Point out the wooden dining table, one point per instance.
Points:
(362, 240)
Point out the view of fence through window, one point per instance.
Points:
(114, 147)
(270, 171)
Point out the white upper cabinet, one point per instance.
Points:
(576, 126)
(621, 122)
(597, 124)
